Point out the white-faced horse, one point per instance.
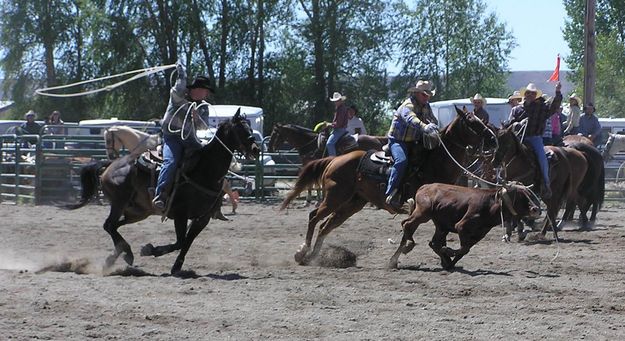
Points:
(615, 144)
(133, 140)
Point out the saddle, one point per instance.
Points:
(346, 143)
(376, 165)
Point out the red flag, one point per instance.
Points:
(555, 76)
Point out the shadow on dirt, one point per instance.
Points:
(472, 273)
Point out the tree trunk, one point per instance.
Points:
(319, 71)
(225, 22)
(261, 50)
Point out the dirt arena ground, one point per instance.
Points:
(247, 286)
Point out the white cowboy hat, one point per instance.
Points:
(531, 87)
(423, 86)
(477, 98)
(515, 95)
(576, 98)
(337, 97)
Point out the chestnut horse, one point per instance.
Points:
(567, 169)
(591, 191)
(305, 141)
(347, 190)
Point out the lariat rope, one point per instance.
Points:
(138, 74)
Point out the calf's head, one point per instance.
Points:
(520, 201)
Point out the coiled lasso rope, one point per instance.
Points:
(138, 74)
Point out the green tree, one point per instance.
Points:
(456, 45)
(610, 49)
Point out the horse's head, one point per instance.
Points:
(508, 145)
(468, 130)
(276, 139)
(242, 137)
(609, 150)
(112, 147)
(520, 200)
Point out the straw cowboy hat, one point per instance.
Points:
(515, 95)
(478, 98)
(30, 113)
(531, 87)
(577, 99)
(423, 86)
(337, 97)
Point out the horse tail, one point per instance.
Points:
(89, 180)
(600, 189)
(311, 174)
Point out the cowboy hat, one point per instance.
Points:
(477, 98)
(423, 86)
(577, 99)
(515, 95)
(30, 113)
(337, 97)
(531, 87)
(201, 82)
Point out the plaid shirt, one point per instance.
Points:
(409, 120)
(537, 113)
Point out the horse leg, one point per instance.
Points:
(552, 212)
(111, 224)
(584, 206)
(409, 226)
(339, 217)
(181, 229)
(197, 225)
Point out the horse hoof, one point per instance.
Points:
(300, 257)
(408, 247)
(129, 258)
(147, 250)
(176, 268)
(505, 238)
(521, 236)
(110, 260)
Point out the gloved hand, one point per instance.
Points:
(179, 66)
(430, 128)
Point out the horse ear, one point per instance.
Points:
(460, 112)
(237, 115)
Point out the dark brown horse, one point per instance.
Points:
(347, 189)
(306, 142)
(592, 188)
(196, 197)
(567, 168)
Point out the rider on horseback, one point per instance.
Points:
(339, 123)
(537, 111)
(181, 97)
(412, 119)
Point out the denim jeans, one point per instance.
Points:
(173, 151)
(539, 149)
(333, 139)
(398, 150)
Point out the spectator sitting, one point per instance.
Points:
(355, 124)
(30, 127)
(55, 120)
(589, 125)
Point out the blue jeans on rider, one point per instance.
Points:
(539, 149)
(173, 151)
(400, 163)
(333, 139)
